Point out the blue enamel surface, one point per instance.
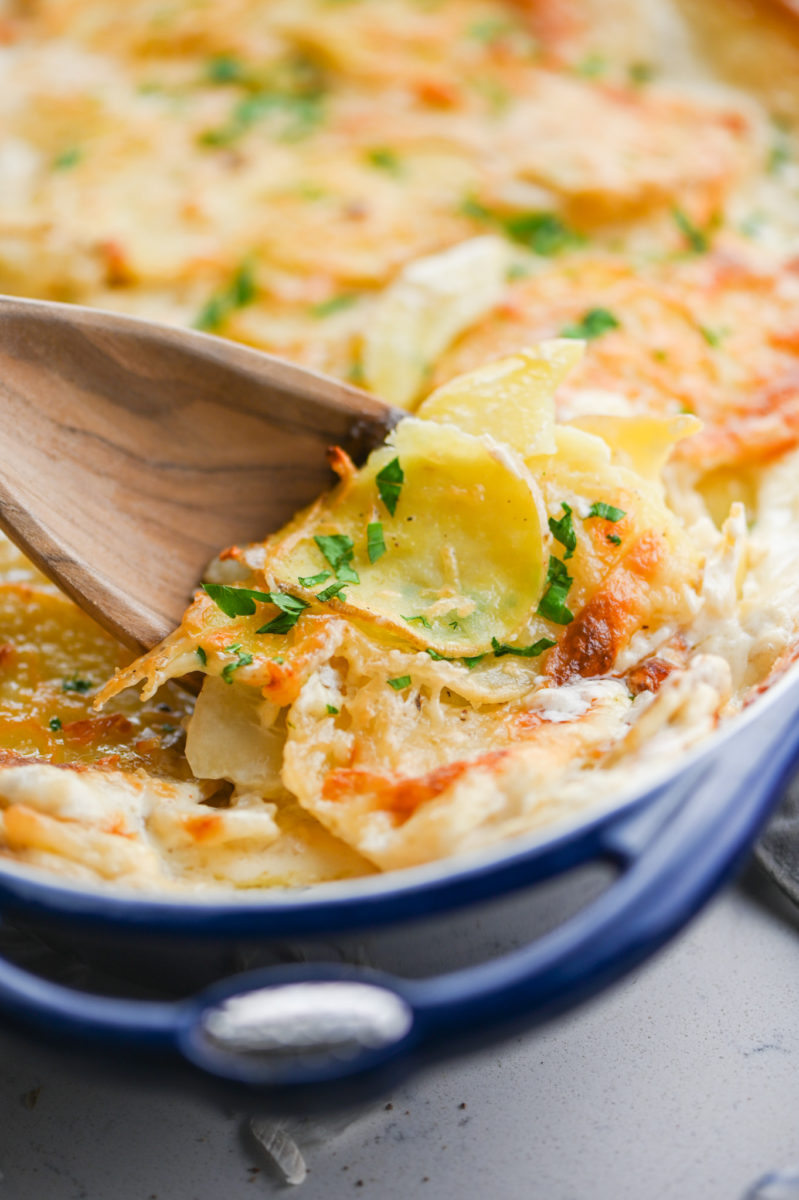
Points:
(674, 848)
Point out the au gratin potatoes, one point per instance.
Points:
(564, 236)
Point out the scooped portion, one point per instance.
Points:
(439, 539)
(424, 657)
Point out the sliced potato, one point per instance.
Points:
(428, 305)
(583, 475)
(513, 398)
(465, 547)
(641, 443)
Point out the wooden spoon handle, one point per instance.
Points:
(133, 452)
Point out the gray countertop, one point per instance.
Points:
(682, 1082)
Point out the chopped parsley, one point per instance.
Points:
(332, 710)
(563, 530)
(591, 325)
(542, 232)
(334, 590)
(402, 681)
(473, 660)
(490, 29)
(470, 207)
(224, 68)
(203, 657)
(640, 73)
(552, 604)
(608, 512)
(779, 154)
(235, 601)
(291, 609)
(375, 542)
(309, 581)
(436, 657)
(67, 158)
(614, 538)
(593, 66)
(385, 160)
(711, 336)
(422, 621)
(242, 660)
(54, 724)
(338, 550)
(389, 484)
(532, 651)
(697, 239)
(301, 112)
(335, 304)
(75, 684)
(238, 294)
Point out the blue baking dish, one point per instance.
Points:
(337, 1030)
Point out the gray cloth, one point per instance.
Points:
(778, 849)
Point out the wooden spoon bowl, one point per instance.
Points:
(131, 453)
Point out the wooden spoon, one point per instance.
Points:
(132, 453)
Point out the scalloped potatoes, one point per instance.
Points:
(413, 680)
(567, 566)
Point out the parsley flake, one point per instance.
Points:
(711, 336)
(422, 621)
(436, 657)
(389, 484)
(563, 530)
(291, 609)
(335, 304)
(591, 325)
(200, 652)
(299, 109)
(697, 239)
(309, 581)
(54, 724)
(235, 601)
(385, 160)
(375, 542)
(542, 232)
(332, 710)
(334, 590)
(490, 29)
(532, 651)
(552, 604)
(338, 549)
(593, 66)
(242, 660)
(608, 512)
(75, 684)
(239, 293)
(67, 158)
(402, 681)
(614, 538)
(640, 73)
(224, 68)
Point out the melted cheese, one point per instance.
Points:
(433, 200)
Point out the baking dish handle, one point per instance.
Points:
(308, 1025)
